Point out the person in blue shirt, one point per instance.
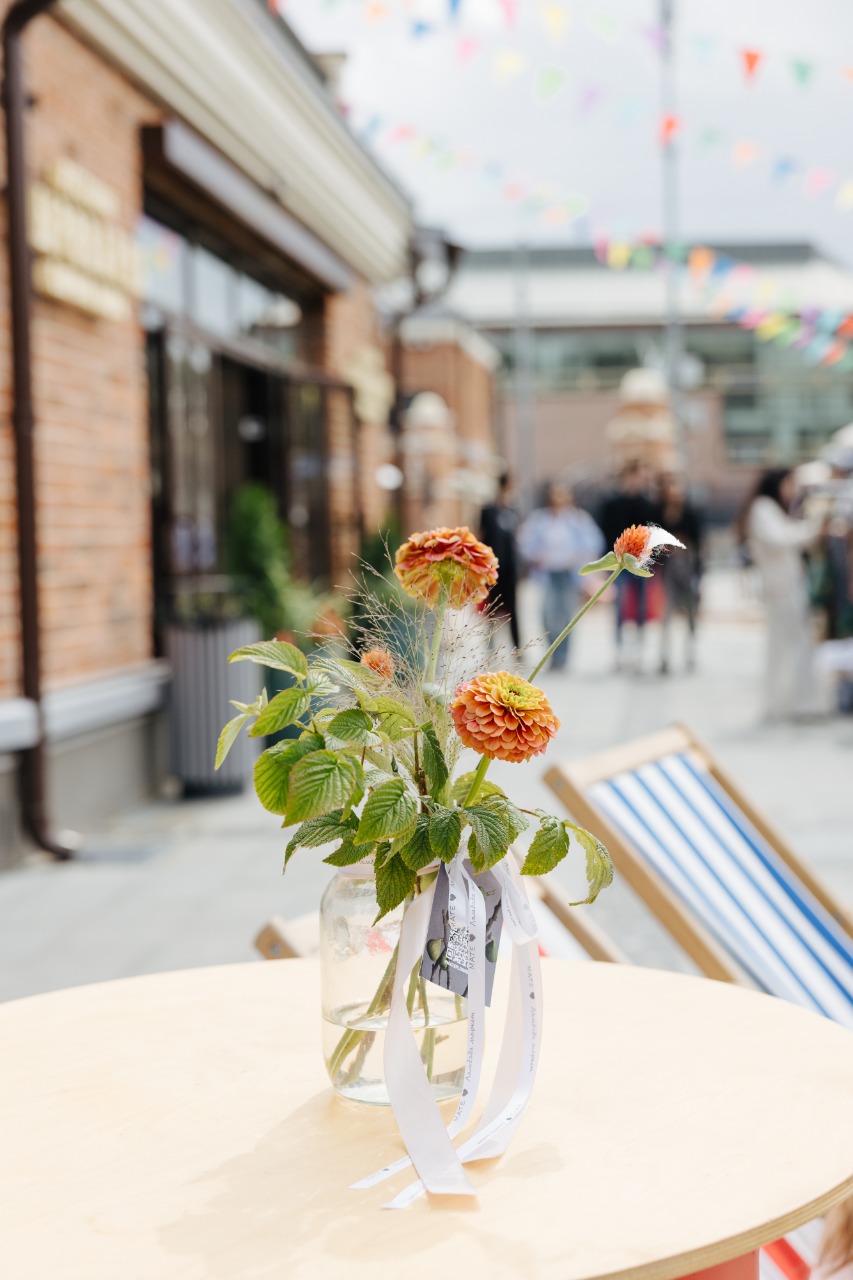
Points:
(556, 541)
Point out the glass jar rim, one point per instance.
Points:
(364, 870)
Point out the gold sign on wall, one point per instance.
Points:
(83, 256)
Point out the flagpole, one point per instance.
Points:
(525, 459)
(673, 338)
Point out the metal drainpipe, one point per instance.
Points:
(20, 300)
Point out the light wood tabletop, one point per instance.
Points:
(181, 1126)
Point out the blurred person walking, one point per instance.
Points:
(680, 575)
(556, 540)
(629, 504)
(777, 542)
(499, 523)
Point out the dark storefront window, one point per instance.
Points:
(227, 407)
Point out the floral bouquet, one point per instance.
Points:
(374, 773)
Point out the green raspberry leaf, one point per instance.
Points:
(491, 835)
(347, 854)
(277, 654)
(417, 851)
(389, 810)
(229, 736)
(285, 708)
(353, 726)
(599, 868)
(435, 765)
(319, 783)
(513, 816)
(445, 832)
(273, 768)
(548, 848)
(394, 882)
(319, 831)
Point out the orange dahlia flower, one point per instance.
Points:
(503, 716)
(449, 562)
(380, 662)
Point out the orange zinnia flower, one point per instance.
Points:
(503, 716)
(449, 562)
(380, 662)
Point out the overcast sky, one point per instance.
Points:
(747, 150)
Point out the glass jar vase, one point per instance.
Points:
(358, 960)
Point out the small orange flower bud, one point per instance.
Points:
(380, 662)
(450, 562)
(503, 716)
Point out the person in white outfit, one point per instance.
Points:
(777, 542)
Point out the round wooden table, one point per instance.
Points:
(181, 1126)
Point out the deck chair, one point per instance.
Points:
(563, 933)
(717, 875)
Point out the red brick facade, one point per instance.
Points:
(90, 400)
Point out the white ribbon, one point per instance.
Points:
(429, 1144)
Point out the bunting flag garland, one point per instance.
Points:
(453, 7)
(823, 334)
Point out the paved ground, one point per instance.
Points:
(179, 884)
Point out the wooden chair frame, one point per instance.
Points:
(570, 783)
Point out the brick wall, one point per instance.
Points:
(351, 325)
(90, 392)
(456, 475)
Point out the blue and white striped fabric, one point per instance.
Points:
(681, 820)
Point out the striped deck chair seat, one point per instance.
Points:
(673, 811)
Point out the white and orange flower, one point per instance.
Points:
(635, 549)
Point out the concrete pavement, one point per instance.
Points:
(174, 885)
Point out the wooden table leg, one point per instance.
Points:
(744, 1268)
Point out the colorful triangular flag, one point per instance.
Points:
(605, 25)
(453, 8)
(555, 20)
(817, 180)
(508, 63)
(590, 98)
(803, 71)
(420, 29)
(467, 48)
(669, 128)
(509, 8)
(752, 59)
(844, 198)
(549, 81)
(744, 154)
(783, 167)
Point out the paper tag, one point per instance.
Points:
(447, 958)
